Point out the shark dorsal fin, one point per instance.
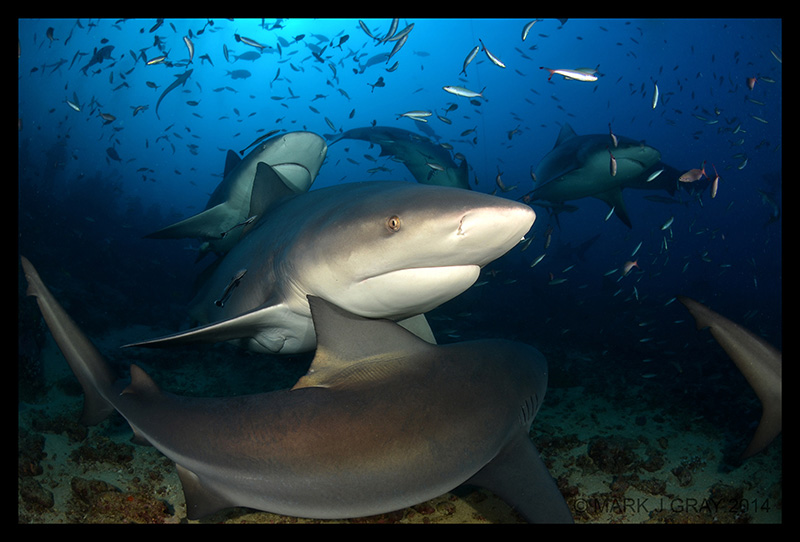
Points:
(566, 133)
(353, 350)
(231, 161)
(268, 188)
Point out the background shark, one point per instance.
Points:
(296, 158)
(579, 167)
(382, 421)
(104, 53)
(428, 162)
(379, 249)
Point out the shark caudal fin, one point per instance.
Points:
(758, 361)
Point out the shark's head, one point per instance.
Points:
(401, 249)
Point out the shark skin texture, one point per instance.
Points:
(382, 420)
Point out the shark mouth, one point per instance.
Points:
(408, 292)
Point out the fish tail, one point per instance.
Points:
(90, 368)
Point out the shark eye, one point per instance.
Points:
(393, 223)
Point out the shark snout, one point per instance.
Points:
(489, 232)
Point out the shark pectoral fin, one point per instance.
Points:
(419, 326)
(251, 324)
(519, 476)
(200, 500)
(614, 199)
(206, 225)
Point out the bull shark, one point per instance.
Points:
(760, 363)
(381, 421)
(378, 249)
(98, 56)
(428, 162)
(180, 79)
(295, 157)
(580, 166)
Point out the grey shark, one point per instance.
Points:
(381, 421)
(296, 158)
(180, 79)
(378, 249)
(428, 162)
(580, 166)
(760, 363)
(104, 53)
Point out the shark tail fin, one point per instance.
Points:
(90, 368)
(759, 362)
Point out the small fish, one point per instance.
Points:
(226, 294)
(668, 223)
(537, 260)
(654, 175)
(156, 60)
(496, 61)
(241, 225)
(248, 41)
(74, 106)
(465, 92)
(693, 174)
(379, 83)
(190, 47)
(613, 137)
(751, 82)
(629, 265)
(759, 119)
(470, 58)
(714, 183)
(415, 114)
(397, 46)
(612, 165)
(112, 153)
(260, 139)
(635, 250)
(527, 28)
(655, 95)
(553, 282)
(499, 181)
(610, 213)
(581, 74)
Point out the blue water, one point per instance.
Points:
(83, 215)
